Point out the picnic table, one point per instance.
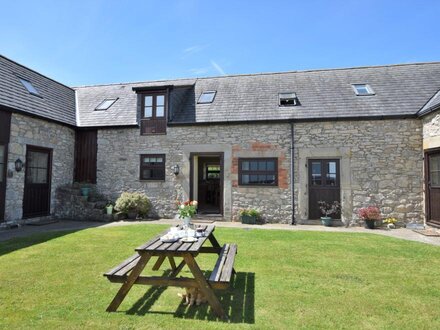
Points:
(129, 271)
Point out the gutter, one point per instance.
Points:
(292, 171)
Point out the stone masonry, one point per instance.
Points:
(26, 130)
(381, 164)
(431, 130)
(119, 153)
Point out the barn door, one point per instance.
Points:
(324, 185)
(36, 200)
(432, 159)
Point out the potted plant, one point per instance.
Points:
(370, 215)
(390, 222)
(85, 189)
(133, 204)
(249, 216)
(109, 208)
(328, 209)
(186, 211)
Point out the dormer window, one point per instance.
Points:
(207, 97)
(287, 99)
(29, 87)
(107, 103)
(153, 116)
(362, 89)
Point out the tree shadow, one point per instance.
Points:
(238, 302)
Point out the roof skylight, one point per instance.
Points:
(107, 103)
(363, 89)
(29, 87)
(287, 99)
(207, 97)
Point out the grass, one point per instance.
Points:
(285, 280)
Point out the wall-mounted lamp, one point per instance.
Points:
(176, 169)
(18, 165)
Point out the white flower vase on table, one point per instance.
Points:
(186, 211)
(186, 221)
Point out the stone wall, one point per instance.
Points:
(431, 130)
(119, 153)
(26, 130)
(381, 164)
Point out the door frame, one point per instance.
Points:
(50, 160)
(309, 179)
(5, 133)
(427, 153)
(221, 155)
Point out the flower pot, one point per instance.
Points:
(186, 221)
(85, 191)
(248, 219)
(370, 224)
(109, 209)
(132, 215)
(327, 221)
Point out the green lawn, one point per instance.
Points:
(285, 280)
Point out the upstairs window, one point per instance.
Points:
(207, 97)
(29, 87)
(153, 117)
(152, 167)
(107, 103)
(362, 89)
(258, 171)
(287, 99)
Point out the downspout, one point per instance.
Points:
(292, 171)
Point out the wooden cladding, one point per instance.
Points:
(153, 126)
(86, 148)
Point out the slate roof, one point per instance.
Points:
(400, 90)
(432, 105)
(57, 101)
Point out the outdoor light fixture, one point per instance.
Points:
(18, 165)
(176, 169)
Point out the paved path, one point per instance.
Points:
(79, 225)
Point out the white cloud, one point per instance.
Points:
(194, 49)
(218, 68)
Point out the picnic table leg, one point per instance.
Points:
(204, 286)
(125, 288)
(172, 263)
(158, 263)
(177, 270)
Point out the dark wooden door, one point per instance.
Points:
(5, 124)
(86, 148)
(432, 159)
(324, 185)
(36, 200)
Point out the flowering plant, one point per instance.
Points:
(369, 213)
(390, 220)
(187, 209)
(327, 208)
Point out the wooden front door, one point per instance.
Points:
(86, 149)
(432, 161)
(5, 125)
(36, 200)
(324, 185)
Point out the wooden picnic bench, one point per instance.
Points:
(128, 272)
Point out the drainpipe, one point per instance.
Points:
(292, 172)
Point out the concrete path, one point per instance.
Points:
(79, 225)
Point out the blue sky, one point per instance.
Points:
(92, 42)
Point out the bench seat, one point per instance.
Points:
(121, 270)
(224, 268)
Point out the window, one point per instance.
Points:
(258, 171)
(434, 170)
(153, 115)
(287, 99)
(212, 172)
(152, 167)
(29, 87)
(363, 89)
(107, 103)
(37, 170)
(207, 97)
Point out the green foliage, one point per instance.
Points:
(250, 212)
(133, 202)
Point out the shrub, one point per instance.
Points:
(133, 203)
(369, 213)
(327, 208)
(250, 213)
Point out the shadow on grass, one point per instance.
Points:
(238, 302)
(18, 243)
